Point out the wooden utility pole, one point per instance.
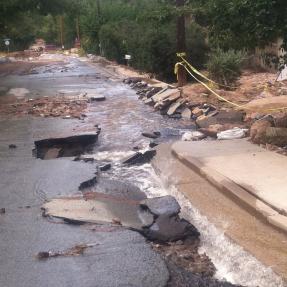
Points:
(78, 29)
(181, 43)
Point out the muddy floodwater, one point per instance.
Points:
(26, 182)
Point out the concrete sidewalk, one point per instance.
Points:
(250, 174)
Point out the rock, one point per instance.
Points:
(186, 114)
(212, 130)
(88, 184)
(193, 136)
(12, 146)
(140, 158)
(168, 228)
(172, 98)
(173, 108)
(153, 144)
(165, 205)
(153, 91)
(153, 135)
(276, 136)
(258, 131)
(148, 101)
(197, 112)
(221, 117)
(164, 94)
(105, 167)
(132, 80)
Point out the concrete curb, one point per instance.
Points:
(242, 196)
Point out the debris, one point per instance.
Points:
(140, 158)
(168, 228)
(105, 167)
(174, 107)
(153, 144)
(2, 210)
(186, 114)
(59, 106)
(74, 251)
(84, 158)
(193, 136)
(165, 205)
(235, 133)
(12, 146)
(197, 112)
(153, 135)
(96, 208)
(97, 98)
(88, 184)
(167, 225)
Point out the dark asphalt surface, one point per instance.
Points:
(120, 257)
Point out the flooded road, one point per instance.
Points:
(27, 182)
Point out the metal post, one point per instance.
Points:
(181, 42)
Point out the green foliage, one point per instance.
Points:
(225, 67)
(242, 24)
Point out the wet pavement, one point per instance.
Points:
(120, 257)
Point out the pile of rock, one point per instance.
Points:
(169, 100)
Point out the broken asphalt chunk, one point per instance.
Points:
(167, 228)
(140, 158)
(105, 167)
(65, 146)
(153, 135)
(165, 205)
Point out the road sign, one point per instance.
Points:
(128, 57)
(7, 42)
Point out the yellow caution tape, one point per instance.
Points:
(200, 74)
(184, 63)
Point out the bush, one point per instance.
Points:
(224, 67)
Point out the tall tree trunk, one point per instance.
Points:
(181, 42)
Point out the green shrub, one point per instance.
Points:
(225, 66)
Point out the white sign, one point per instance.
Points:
(7, 42)
(128, 57)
